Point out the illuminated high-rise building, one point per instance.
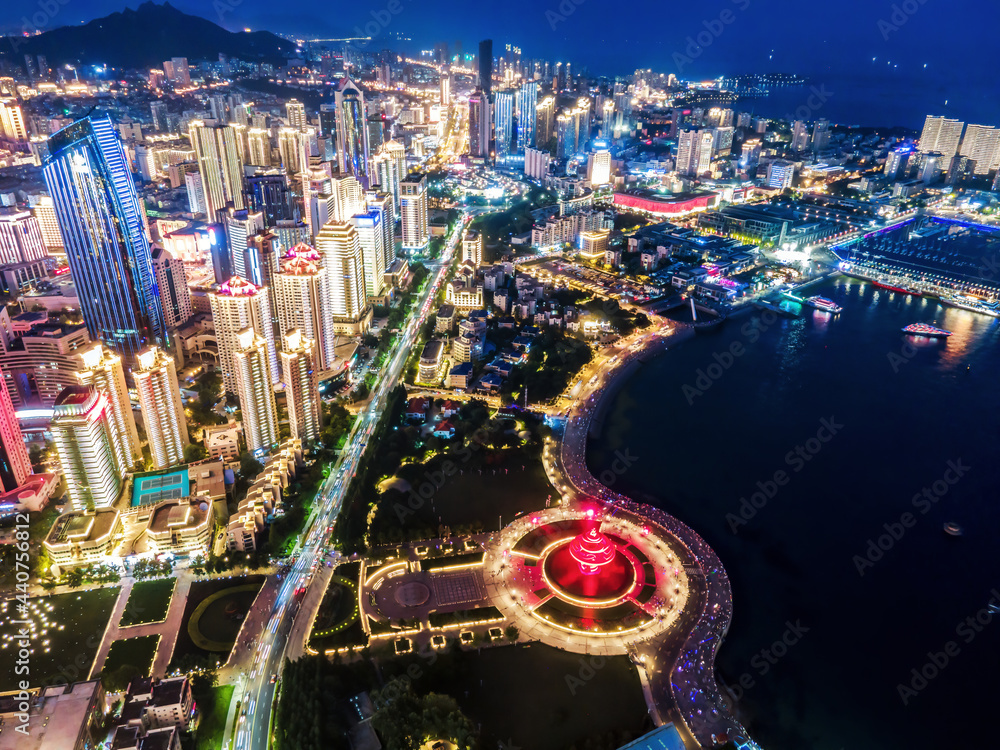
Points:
(445, 89)
(413, 212)
(45, 211)
(372, 239)
(353, 153)
(171, 280)
(255, 390)
(12, 125)
(101, 368)
(102, 223)
(503, 108)
(240, 226)
(220, 164)
(527, 115)
(267, 193)
(20, 237)
(237, 305)
(472, 247)
(982, 144)
(290, 149)
(385, 172)
(259, 146)
(298, 293)
(85, 446)
(397, 151)
(15, 466)
(800, 136)
(545, 122)
(941, 135)
(296, 113)
(382, 203)
(479, 125)
(301, 378)
(599, 168)
(161, 407)
(344, 296)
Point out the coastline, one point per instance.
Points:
(686, 690)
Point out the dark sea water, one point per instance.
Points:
(880, 98)
(900, 415)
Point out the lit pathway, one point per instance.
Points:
(167, 628)
(681, 678)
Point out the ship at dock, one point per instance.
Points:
(898, 289)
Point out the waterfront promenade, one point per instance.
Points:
(680, 673)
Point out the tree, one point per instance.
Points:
(511, 633)
(249, 466)
(194, 452)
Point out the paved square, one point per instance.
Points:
(463, 587)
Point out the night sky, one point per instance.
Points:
(889, 62)
(954, 37)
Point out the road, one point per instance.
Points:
(255, 691)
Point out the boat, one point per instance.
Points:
(922, 329)
(823, 304)
(898, 289)
(952, 529)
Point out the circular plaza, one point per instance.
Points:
(587, 578)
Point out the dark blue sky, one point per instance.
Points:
(956, 39)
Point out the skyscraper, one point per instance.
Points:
(220, 164)
(267, 193)
(800, 136)
(479, 125)
(296, 113)
(298, 294)
(300, 376)
(599, 168)
(255, 390)
(445, 89)
(369, 227)
(102, 224)
(503, 106)
(545, 122)
(472, 247)
(686, 158)
(20, 237)
(982, 144)
(101, 369)
(344, 295)
(238, 305)
(486, 68)
(15, 467)
(382, 203)
(161, 407)
(385, 172)
(942, 135)
(527, 115)
(259, 146)
(86, 449)
(241, 225)
(352, 132)
(171, 280)
(413, 212)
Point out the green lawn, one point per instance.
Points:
(148, 602)
(213, 706)
(66, 632)
(132, 657)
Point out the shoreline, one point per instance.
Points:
(686, 690)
